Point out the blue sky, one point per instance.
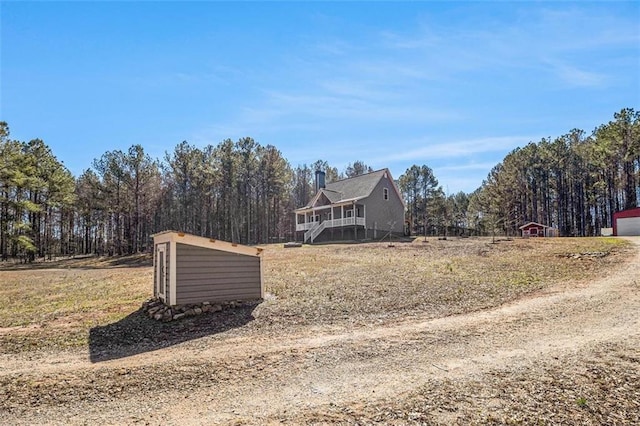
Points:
(453, 85)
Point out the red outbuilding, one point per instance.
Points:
(534, 229)
(627, 222)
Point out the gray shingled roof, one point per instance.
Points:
(355, 187)
(349, 189)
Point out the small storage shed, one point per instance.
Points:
(627, 222)
(534, 229)
(192, 269)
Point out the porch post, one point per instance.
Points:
(355, 222)
(342, 221)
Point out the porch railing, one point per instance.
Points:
(305, 226)
(312, 233)
(333, 223)
(346, 221)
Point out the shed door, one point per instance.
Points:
(161, 271)
(628, 226)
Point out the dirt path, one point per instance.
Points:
(296, 378)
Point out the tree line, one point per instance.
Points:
(429, 211)
(245, 192)
(236, 191)
(574, 182)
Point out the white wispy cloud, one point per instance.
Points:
(342, 100)
(576, 77)
(465, 167)
(453, 184)
(456, 149)
(335, 47)
(463, 177)
(551, 40)
(395, 78)
(425, 40)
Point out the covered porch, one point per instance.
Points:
(313, 220)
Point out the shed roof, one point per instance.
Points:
(530, 224)
(210, 243)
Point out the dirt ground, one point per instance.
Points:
(566, 354)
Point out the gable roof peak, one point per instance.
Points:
(354, 188)
(364, 175)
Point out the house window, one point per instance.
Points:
(385, 193)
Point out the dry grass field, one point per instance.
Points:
(404, 321)
(54, 305)
(370, 282)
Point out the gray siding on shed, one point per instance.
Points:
(213, 275)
